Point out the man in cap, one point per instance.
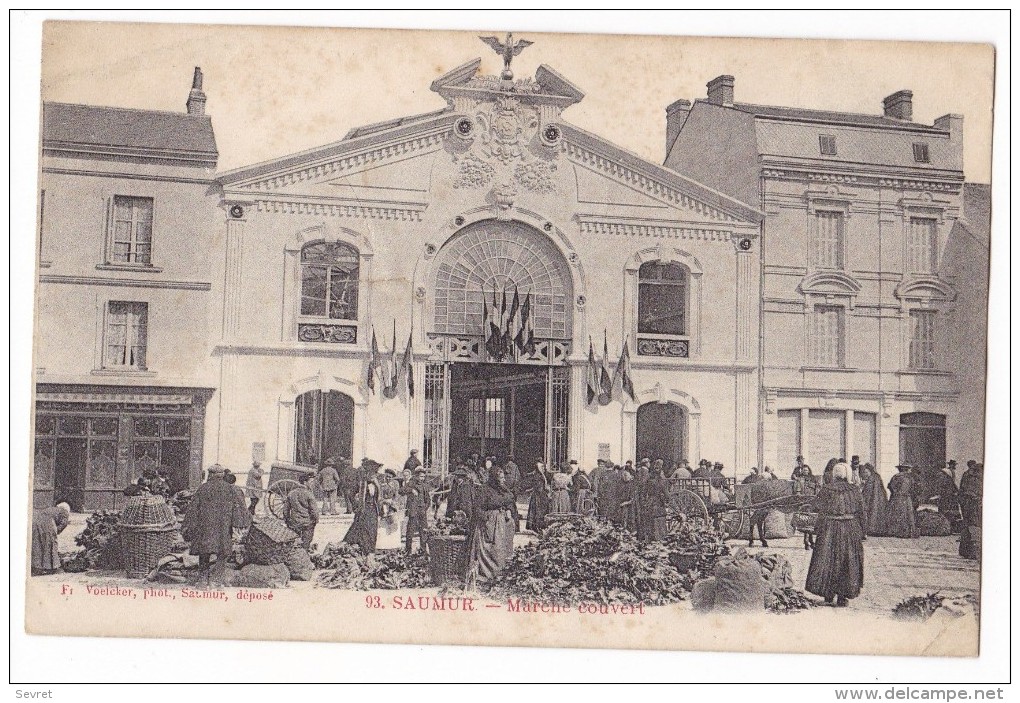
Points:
(580, 486)
(214, 512)
(329, 482)
(302, 512)
(413, 462)
(417, 500)
(704, 469)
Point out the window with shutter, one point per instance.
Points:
(827, 145)
(826, 337)
(827, 249)
(922, 339)
(922, 245)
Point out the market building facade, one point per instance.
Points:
(127, 231)
(874, 274)
(415, 234)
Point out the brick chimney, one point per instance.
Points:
(196, 98)
(899, 106)
(676, 116)
(720, 90)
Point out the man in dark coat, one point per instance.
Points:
(971, 490)
(704, 469)
(302, 511)
(349, 484)
(413, 462)
(417, 500)
(329, 482)
(214, 512)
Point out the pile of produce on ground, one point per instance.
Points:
(742, 583)
(596, 562)
(346, 567)
(918, 607)
(99, 542)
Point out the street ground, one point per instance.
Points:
(895, 568)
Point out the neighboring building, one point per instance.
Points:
(127, 235)
(415, 224)
(874, 290)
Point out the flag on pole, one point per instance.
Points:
(593, 374)
(513, 322)
(504, 320)
(605, 381)
(390, 391)
(623, 371)
(408, 364)
(492, 333)
(527, 332)
(374, 364)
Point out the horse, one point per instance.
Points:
(766, 493)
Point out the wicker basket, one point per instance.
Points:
(148, 532)
(143, 547)
(268, 542)
(448, 555)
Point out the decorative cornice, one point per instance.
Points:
(950, 185)
(293, 207)
(94, 173)
(594, 224)
(649, 185)
(126, 282)
(337, 166)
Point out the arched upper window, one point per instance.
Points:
(662, 298)
(329, 280)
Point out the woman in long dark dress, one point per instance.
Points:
(364, 530)
(875, 500)
(652, 507)
(899, 513)
(837, 563)
(47, 523)
(538, 503)
(492, 533)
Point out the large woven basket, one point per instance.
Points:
(269, 541)
(148, 532)
(143, 548)
(447, 558)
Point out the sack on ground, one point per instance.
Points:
(259, 576)
(738, 584)
(778, 525)
(776, 570)
(932, 524)
(703, 595)
(299, 564)
(970, 542)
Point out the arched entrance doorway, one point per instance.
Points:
(662, 432)
(499, 327)
(323, 427)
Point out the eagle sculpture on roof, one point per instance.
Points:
(508, 50)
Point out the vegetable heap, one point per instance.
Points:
(589, 561)
(99, 544)
(345, 567)
(918, 607)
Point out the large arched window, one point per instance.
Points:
(662, 298)
(329, 281)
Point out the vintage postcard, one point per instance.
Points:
(510, 338)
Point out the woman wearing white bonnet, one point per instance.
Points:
(837, 563)
(46, 525)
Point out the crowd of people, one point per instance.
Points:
(481, 495)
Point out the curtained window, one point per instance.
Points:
(126, 335)
(827, 248)
(826, 337)
(922, 245)
(132, 231)
(922, 339)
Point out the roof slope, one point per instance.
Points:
(66, 125)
